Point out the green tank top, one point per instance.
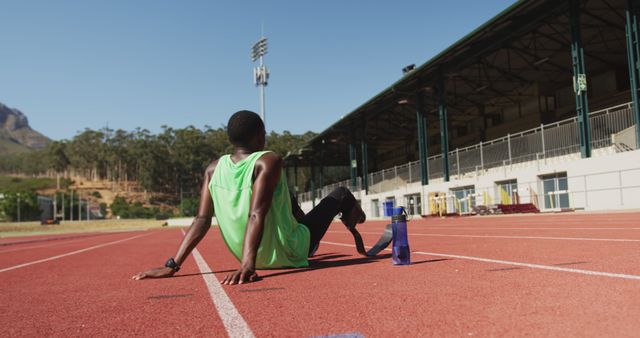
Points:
(285, 242)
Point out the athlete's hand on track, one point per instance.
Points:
(154, 273)
(241, 276)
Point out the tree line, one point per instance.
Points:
(171, 161)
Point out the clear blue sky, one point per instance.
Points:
(70, 65)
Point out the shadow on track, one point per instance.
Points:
(318, 262)
(326, 261)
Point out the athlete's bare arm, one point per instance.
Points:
(196, 232)
(266, 176)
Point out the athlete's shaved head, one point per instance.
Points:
(243, 127)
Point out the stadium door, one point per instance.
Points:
(507, 191)
(465, 199)
(375, 208)
(555, 189)
(414, 204)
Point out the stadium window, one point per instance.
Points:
(555, 190)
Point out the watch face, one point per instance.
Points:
(172, 264)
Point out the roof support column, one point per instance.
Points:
(633, 55)
(444, 133)
(365, 166)
(580, 79)
(422, 140)
(364, 149)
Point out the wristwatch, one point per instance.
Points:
(172, 264)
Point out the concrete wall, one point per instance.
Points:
(185, 221)
(607, 181)
(626, 137)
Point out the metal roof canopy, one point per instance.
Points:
(496, 65)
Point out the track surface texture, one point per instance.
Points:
(541, 275)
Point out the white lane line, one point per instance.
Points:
(70, 253)
(528, 265)
(515, 237)
(233, 322)
(534, 228)
(535, 266)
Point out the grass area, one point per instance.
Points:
(34, 228)
(18, 184)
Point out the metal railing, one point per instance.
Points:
(324, 191)
(550, 140)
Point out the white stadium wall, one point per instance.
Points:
(606, 181)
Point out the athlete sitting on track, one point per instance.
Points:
(261, 226)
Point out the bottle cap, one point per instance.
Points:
(399, 215)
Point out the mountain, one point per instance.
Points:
(15, 133)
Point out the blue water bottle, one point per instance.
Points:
(400, 252)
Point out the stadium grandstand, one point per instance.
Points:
(535, 110)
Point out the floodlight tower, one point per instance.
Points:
(260, 73)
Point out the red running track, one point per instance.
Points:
(540, 275)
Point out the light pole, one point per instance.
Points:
(260, 73)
